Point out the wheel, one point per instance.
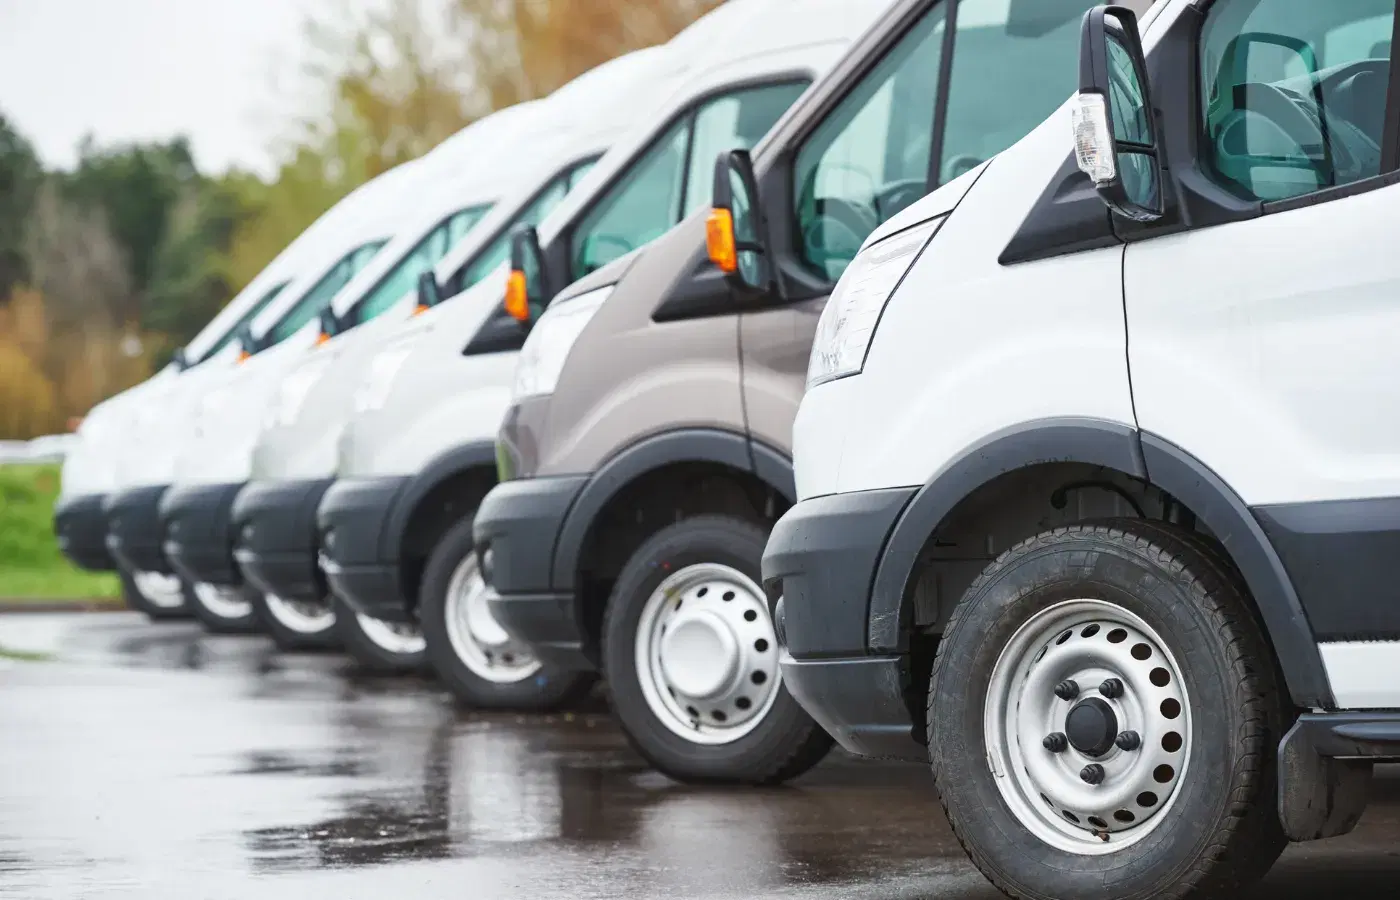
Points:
(691, 660)
(468, 649)
(1104, 717)
(378, 646)
(296, 625)
(159, 596)
(221, 610)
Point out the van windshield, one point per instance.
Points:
(316, 299)
(247, 320)
(428, 252)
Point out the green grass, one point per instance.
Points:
(31, 566)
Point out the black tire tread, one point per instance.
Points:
(1250, 838)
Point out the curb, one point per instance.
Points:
(9, 605)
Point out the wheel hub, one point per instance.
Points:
(1087, 726)
(699, 654)
(163, 591)
(1091, 727)
(398, 638)
(226, 602)
(477, 639)
(706, 654)
(302, 616)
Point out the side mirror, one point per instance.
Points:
(526, 290)
(329, 326)
(1115, 130)
(247, 346)
(736, 233)
(180, 359)
(429, 292)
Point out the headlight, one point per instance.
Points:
(547, 348)
(379, 380)
(292, 393)
(848, 322)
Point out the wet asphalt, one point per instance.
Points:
(154, 761)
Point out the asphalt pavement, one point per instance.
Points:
(153, 761)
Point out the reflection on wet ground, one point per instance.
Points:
(152, 761)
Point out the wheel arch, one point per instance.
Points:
(1121, 448)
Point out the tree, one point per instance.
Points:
(19, 178)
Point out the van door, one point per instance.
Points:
(961, 83)
(1267, 348)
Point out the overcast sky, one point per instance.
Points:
(220, 71)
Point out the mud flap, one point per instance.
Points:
(1319, 796)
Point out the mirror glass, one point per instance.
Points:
(745, 230)
(1128, 106)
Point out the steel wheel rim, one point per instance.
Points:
(224, 602)
(398, 638)
(302, 616)
(1043, 779)
(706, 654)
(160, 590)
(476, 637)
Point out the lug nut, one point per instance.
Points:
(1112, 688)
(1055, 743)
(1067, 690)
(1092, 773)
(1128, 740)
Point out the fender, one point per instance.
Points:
(1188, 479)
(1094, 441)
(684, 445)
(475, 455)
(775, 469)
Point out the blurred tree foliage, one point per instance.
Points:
(105, 269)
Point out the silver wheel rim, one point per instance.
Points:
(1084, 644)
(706, 654)
(398, 638)
(160, 590)
(224, 602)
(302, 616)
(477, 638)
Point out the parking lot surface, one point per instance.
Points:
(153, 761)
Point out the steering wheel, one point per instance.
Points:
(959, 165)
(895, 196)
(1356, 93)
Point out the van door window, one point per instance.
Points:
(870, 158)
(316, 299)
(402, 279)
(1293, 95)
(651, 198)
(498, 251)
(1013, 65)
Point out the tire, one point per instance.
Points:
(288, 635)
(153, 611)
(221, 614)
(685, 561)
(452, 568)
(1214, 829)
(371, 652)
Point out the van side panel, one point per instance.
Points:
(776, 344)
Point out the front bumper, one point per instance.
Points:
(197, 538)
(275, 538)
(358, 555)
(821, 559)
(134, 533)
(80, 525)
(517, 527)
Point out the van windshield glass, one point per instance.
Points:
(316, 299)
(402, 279)
(238, 327)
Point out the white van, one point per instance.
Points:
(397, 525)
(126, 442)
(428, 204)
(528, 172)
(1097, 478)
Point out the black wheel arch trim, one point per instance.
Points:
(775, 469)
(1094, 441)
(1142, 455)
(683, 445)
(1187, 479)
(454, 461)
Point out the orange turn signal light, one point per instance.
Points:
(322, 338)
(419, 309)
(517, 296)
(719, 240)
(244, 354)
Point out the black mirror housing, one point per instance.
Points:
(737, 233)
(527, 256)
(180, 359)
(1120, 153)
(429, 291)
